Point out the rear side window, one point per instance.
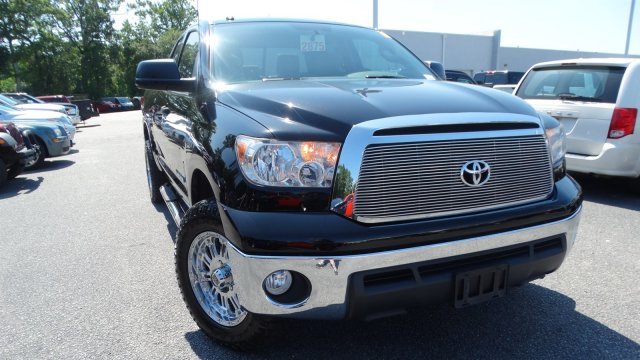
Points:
(582, 83)
(187, 64)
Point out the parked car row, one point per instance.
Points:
(112, 104)
(85, 106)
(27, 137)
(77, 110)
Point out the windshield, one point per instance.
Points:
(5, 108)
(496, 78)
(290, 50)
(581, 83)
(8, 102)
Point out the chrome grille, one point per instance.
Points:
(422, 179)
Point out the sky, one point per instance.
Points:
(586, 25)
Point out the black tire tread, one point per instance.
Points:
(14, 171)
(3, 173)
(204, 214)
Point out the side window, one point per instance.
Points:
(187, 63)
(175, 54)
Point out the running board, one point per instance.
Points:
(170, 198)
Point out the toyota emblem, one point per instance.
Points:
(475, 173)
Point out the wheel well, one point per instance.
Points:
(146, 132)
(200, 187)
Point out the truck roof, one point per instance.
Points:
(250, 20)
(589, 61)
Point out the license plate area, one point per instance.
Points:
(476, 286)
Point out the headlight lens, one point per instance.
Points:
(58, 132)
(286, 163)
(556, 138)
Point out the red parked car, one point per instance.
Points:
(104, 106)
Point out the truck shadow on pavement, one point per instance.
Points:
(171, 226)
(20, 186)
(533, 322)
(608, 191)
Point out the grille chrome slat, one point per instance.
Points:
(398, 195)
(409, 174)
(484, 202)
(444, 149)
(408, 164)
(392, 203)
(420, 180)
(398, 178)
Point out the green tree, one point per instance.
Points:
(88, 27)
(165, 15)
(22, 22)
(153, 34)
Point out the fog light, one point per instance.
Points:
(278, 282)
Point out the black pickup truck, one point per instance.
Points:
(321, 171)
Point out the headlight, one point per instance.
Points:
(58, 132)
(286, 163)
(556, 138)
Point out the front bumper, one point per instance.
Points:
(331, 277)
(59, 148)
(617, 158)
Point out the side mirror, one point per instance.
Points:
(162, 74)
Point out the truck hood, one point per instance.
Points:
(328, 109)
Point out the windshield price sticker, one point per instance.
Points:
(310, 43)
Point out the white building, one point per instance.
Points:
(475, 53)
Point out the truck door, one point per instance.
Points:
(179, 114)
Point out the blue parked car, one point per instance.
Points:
(49, 134)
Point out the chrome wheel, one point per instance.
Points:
(211, 279)
(32, 162)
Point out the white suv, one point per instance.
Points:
(597, 102)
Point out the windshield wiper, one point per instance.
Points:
(280, 78)
(570, 96)
(385, 77)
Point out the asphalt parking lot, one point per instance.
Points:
(86, 271)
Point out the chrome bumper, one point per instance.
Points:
(329, 276)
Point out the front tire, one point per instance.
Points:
(633, 186)
(155, 177)
(3, 173)
(14, 171)
(41, 154)
(205, 277)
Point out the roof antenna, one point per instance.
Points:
(230, 18)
